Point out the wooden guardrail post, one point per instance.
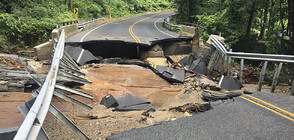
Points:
(241, 70)
(276, 77)
(262, 74)
(229, 64)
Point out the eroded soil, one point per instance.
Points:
(118, 80)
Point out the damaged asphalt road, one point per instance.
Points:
(148, 30)
(237, 119)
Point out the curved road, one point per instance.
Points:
(140, 29)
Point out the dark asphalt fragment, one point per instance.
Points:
(81, 56)
(210, 96)
(130, 102)
(192, 108)
(169, 74)
(229, 83)
(109, 101)
(192, 63)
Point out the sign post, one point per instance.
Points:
(109, 10)
(150, 8)
(76, 11)
(132, 9)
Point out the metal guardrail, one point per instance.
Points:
(58, 25)
(36, 109)
(193, 24)
(169, 25)
(81, 26)
(222, 54)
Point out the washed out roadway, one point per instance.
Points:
(242, 118)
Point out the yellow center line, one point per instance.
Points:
(131, 27)
(285, 111)
(263, 106)
(274, 111)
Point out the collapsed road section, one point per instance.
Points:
(129, 82)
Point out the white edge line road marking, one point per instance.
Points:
(80, 56)
(92, 31)
(103, 25)
(161, 30)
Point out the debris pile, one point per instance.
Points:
(14, 75)
(10, 62)
(251, 74)
(192, 108)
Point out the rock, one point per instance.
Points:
(204, 51)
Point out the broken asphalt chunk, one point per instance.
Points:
(129, 100)
(230, 83)
(231, 95)
(109, 101)
(197, 65)
(211, 96)
(169, 74)
(126, 102)
(248, 92)
(80, 55)
(192, 107)
(134, 107)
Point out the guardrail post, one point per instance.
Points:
(225, 63)
(241, 70)
(229, 64)
(292, 88)
(276, 77)
(261, 77)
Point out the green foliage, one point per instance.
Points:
(240, 22)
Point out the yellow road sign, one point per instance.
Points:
(76, 10)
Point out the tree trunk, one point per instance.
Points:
(263, 26)
(188, 11)
(290, 18)
(250, 18)
(291, 14)
(270, 19)
(281, 17)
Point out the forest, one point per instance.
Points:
(264, 26)
(26, 23)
